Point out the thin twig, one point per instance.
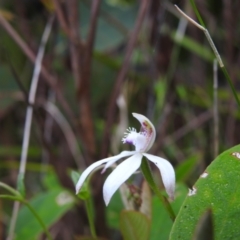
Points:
(17, 38)
(29, 115)
(61, 17)
(72, 7)
(81, 66)
(93, 24)
(67, 131)
(193, 124)
(50, 79)
(215, 109)
(207, 36)
(215, 52)
(47, 133)
(121, 76)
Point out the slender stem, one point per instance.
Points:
(89, 208)
(10, 197)
(197, 13)
(215, 109)
(215, 52)
(10, 189)
(68, 132)
(231, 85)
(29, 115)
(19, 199)
(149, 178)
(38, 219)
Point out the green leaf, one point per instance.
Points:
(84, 192)
(217, 189)
(161, 223)
(50, 181)
(134, 225)
(50, 206)
(75, 176)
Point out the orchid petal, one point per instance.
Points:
(121, 173)
(116, 158)
(148, 128)
(85, 173)
(167, 173)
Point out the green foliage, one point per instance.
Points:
(216, 189)
(161, 223)
(75, 176)
(50, 206)
(159, 78)
(134, 225)
(84, 192)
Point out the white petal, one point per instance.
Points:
(167, 173)
(88, 170)
(117, 157)
(148, 128)
(121, 173)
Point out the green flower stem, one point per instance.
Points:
(149, 178)
(10, 197)
(39, 219)
(10, 189)
(20, 199)
(89, 208)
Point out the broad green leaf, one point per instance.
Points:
(50, 181)
(134, 225)
(161, 223)
(217, 189)
(50, 206)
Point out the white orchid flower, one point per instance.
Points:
(142, 141)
